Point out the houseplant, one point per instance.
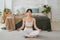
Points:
(47, 10)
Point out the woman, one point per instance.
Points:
(28, 22)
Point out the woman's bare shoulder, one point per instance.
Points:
(34, 19)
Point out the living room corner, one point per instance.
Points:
(46, 13)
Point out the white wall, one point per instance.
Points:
(1, 5)
(8, 4)
(58, 10)
(55, 4)
(17, 4)
(55, 9)
(5, 4)
(28, 3)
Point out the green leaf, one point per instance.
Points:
(47, 10)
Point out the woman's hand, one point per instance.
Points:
(18, 29)
(39, 30)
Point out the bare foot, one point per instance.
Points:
(30, 36)
(18, 29)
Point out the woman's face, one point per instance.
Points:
(29, 13)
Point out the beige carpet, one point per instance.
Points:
(15, 35)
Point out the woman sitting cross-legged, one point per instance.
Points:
(28, 22)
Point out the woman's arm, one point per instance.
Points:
(35, 26)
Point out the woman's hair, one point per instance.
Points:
(29, 10)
